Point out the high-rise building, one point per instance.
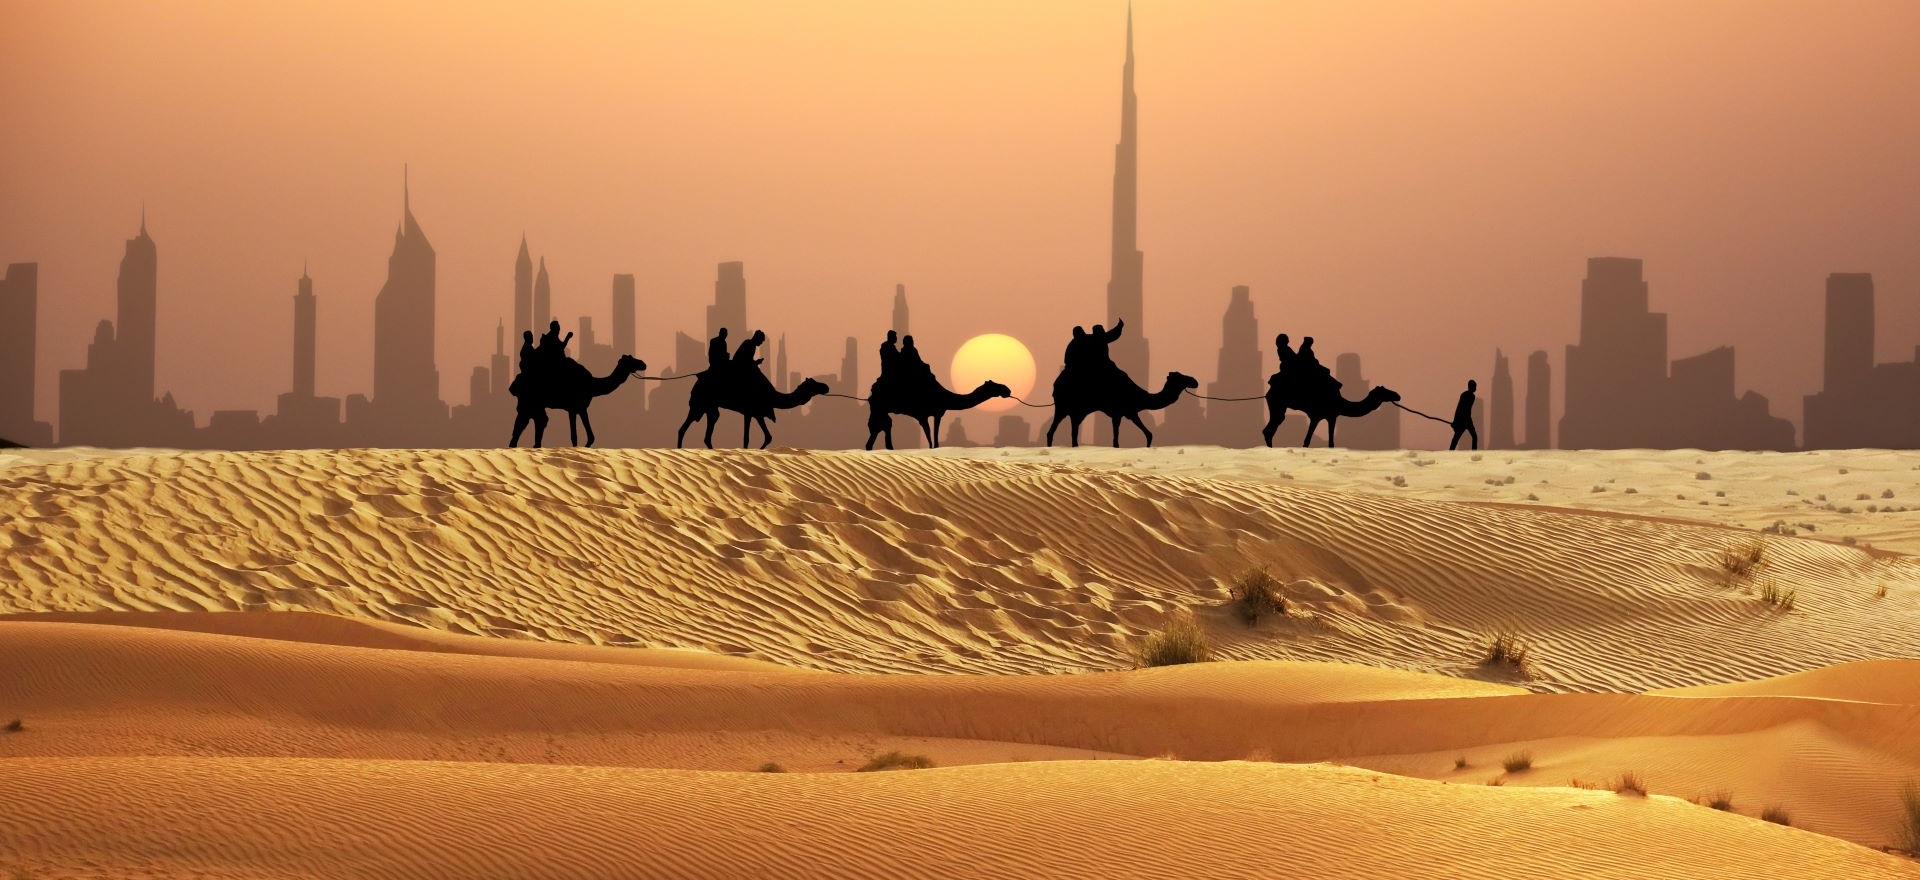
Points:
(406, 384)
(729, 307)
(19, 327)
(1125, 284)
(500, 370)
(523, 291)
(542, 300)
(110, 401)
(623, 317)
(1861, 404)
(1240, 373)
(1539, 402)
(1499, 434)
(304, 315)
(900, 324)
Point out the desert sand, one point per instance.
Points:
(568, 663)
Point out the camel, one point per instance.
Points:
(1119, 399)
(1327, 407)
(933, 405)
(572, 388)
(755, 402)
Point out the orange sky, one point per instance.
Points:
(1416, 181)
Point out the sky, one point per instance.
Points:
(1417, 181)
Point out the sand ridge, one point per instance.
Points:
(925, 563)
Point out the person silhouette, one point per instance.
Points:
(889, 352)
(1283, 349)
(553, 349)
(717, 350)
(1463, 417)
(1075, 347)
(526, 350)
(1315, 374)
(1098, 353)
(911, 362)
(744, 356)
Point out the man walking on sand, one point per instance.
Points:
(1463, 418)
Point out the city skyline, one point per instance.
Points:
(194, 333)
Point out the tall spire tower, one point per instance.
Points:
(1124, 282)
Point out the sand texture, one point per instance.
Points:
(478, 664)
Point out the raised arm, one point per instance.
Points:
(1114, 332)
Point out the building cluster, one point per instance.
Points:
(1620, 388)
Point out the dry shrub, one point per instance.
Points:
(1518, 762)
(16, 725)
(1460, 763)
(1257, 594)
(1777, 815)
(1180, 641)
(771, 767)
(1778, 596)
(896, 761)
(1721, 800)
(1740, 560)
(1630, 782)
(1509, 650)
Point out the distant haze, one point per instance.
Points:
(1416, 181)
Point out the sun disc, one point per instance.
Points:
(994, 356)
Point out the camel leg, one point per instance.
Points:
(1312, 425)
(936, 430)
(520, 421)
(1331, 421)
(681, 438)
(1057, 417)
(927, 432)
(713, 417)
(746, 431)
(1274, 418)
(539, 428)
(1074, 429)
(587, 423)
(573, 427)
(889, 432)
(1116, 431)
(1135, 419)
(766, 436)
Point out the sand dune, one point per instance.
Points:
(559, 664)
(850, 562)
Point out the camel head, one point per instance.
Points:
(1384, 394)
(630, 364)
(1181, 382)
(991, 388)
(810, 388)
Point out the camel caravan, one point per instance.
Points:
(1089, 383)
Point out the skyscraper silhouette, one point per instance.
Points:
(623, 317)
(406, 384)
(1239, 372)
(1539, 402)
(1500, 431)
(110, 401)
(304, 314)
(900, 324)
(19, 326)
(1125, 282)
(523, 291)
(729, 307)
(542, 300)
(1860, 403)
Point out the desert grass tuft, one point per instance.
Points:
(1460, 763)
(896, 761)
(1629, 782)
(1778, 596)
(1777, 815)
(1180, 641)
(1497, 781)
(1721, 800)
(1257, 594)
(1737, 561)
(772, 767)
(1509, 650)
(1518, 762)
(16, 726)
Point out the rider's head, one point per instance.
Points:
(1472, 385)
(723, 333)
(907, 340)
(1306, 342)
(1099, 329)
(893, 336)
(554, 327)
(1280, 341)
(759, 335)
(1079, 331)
(526, 336)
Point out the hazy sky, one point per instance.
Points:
(1416, 181)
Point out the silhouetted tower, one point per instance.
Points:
(1616, 375)
(1125, 286)
(900, 310)
(1240, 373)
(404, 376)
(729, 307)
(1539, 402)
(1849, 357)
(542, 300)
(304, 312)
(19, 322)
(850, 366)
(138, 303)
(501, 368)
(1500, 432)
(623, 321)
(780, 360)
(523, 290)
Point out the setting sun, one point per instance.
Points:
(995, 356)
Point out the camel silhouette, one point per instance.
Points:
(928, 405)
(1115, 395)
(754, 399)
(567, 386)
(1328, 407)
